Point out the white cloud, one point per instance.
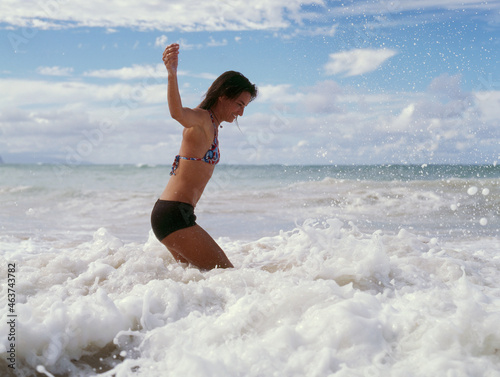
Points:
(403, 121)
(78, 95)
(488, 104)
(399, 6)
(185, 15)
(151, 74)
(357, 62)
(214, 43)
(55, 71)
(278, 94)
(185, 45)
(346, 125)
(236, 15)
(161, 41)
(328, 31)
(448, 86)
(130, 73)
(323, 98)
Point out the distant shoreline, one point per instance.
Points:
(343, 165)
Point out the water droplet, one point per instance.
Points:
(472, 190)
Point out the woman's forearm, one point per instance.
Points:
(174, 97)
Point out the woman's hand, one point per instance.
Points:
(171, 58)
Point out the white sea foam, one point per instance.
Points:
(333, 294)
(320, 299)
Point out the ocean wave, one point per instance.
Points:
(323, 298)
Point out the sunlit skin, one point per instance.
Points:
(194, 245)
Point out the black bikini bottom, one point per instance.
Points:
(169, 216)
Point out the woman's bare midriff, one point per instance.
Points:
(189, 181)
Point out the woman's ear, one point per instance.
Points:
(222, 99)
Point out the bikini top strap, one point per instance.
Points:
(213, 121)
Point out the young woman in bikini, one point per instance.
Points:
(173, 220)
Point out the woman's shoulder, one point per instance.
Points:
(196, 117)
(203, 113)
(202, 124)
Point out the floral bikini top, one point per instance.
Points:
(211, 157)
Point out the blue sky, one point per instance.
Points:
(351, 82)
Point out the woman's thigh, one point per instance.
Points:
(197, 247)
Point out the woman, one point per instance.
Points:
(173, 220)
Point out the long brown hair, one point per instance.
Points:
(230, 84)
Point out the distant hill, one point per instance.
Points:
(1, 161)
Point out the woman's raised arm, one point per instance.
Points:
(184, 115)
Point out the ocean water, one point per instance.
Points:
(339, 271)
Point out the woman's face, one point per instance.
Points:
(231, 108)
